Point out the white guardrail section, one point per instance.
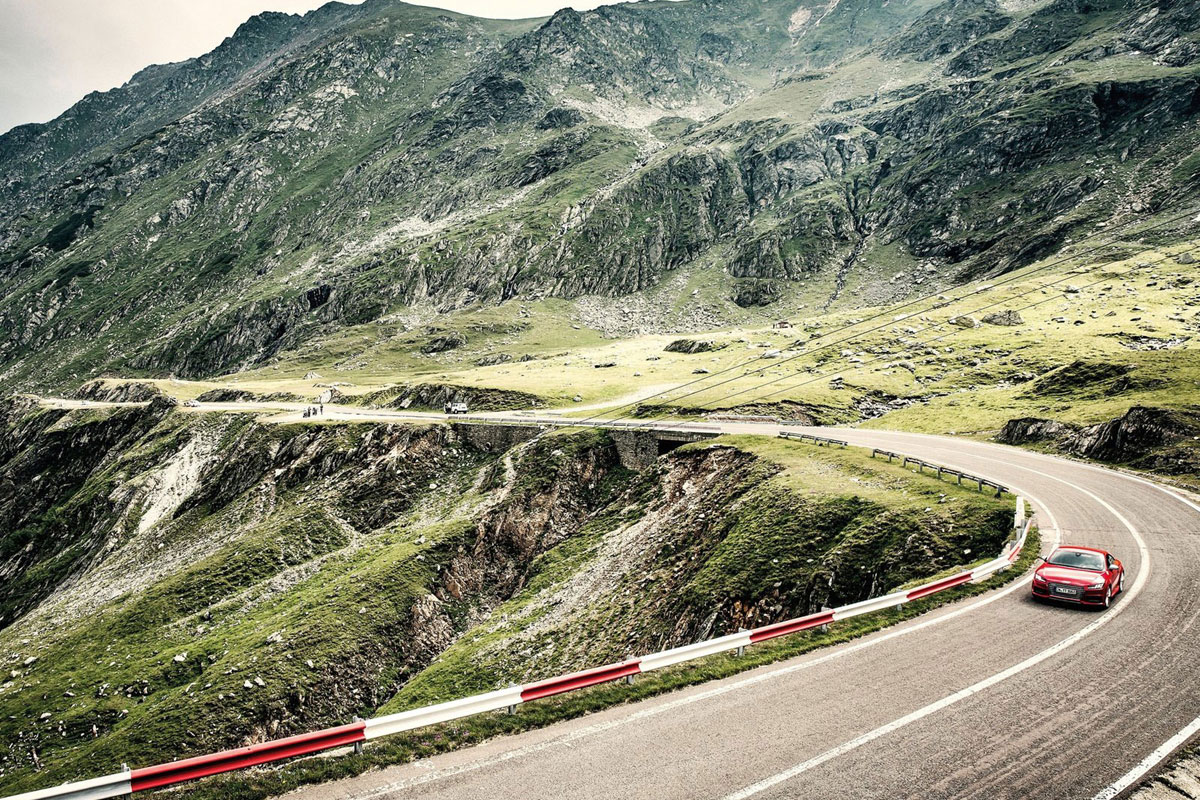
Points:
(97, 788)
(175, 772)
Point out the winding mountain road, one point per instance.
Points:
(995, 697)
(992, 697)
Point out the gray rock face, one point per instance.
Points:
(1007, 318)
(1027, 430)
(965, 321)
(443, 342)
(692, 346)
(1150, 438)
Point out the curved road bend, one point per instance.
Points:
(994, 697)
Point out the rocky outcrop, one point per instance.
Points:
(443, 342)
(1007, 318)
(1033, 430)
(693, 346)
(948, 28)
(119, 391)
(48, 535)
(1156, 439)
(231, 395)
(434, 396)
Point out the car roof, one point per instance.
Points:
(1081, 547)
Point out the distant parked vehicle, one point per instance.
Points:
(456, 407)
(191, 404)
(1082, 575)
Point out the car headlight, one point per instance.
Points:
(1097, 584)
(1038, 579)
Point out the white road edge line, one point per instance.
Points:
(786, 669)
(949, 700)
(1149, 762)
(1160, 753)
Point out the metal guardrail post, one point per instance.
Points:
(358, 746)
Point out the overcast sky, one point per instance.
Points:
(53, 52)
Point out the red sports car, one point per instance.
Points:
(1079, 575)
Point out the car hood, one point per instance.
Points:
(1079, 577)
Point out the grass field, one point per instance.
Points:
(909, 366)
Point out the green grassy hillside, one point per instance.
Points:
(205, 581)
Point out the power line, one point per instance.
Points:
(849, 338)
(824, 375)
(988, 286)
(821, 376)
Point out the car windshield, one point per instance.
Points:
(1078, 559)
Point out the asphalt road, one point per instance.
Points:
(993, 697)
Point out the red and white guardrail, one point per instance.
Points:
(137, 780)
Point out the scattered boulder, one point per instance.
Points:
(757, 293)
(965, 321)
(1152, 342)
(561, 118)
(1185, 258)
(446, 341)
(692, 346)
(493, 359)
(1007, 318)
(330, 395)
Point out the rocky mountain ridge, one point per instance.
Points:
(317, 173)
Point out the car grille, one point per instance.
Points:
(1066, 591)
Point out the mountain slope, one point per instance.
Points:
(384, 162)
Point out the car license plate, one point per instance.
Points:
(1065, 590)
